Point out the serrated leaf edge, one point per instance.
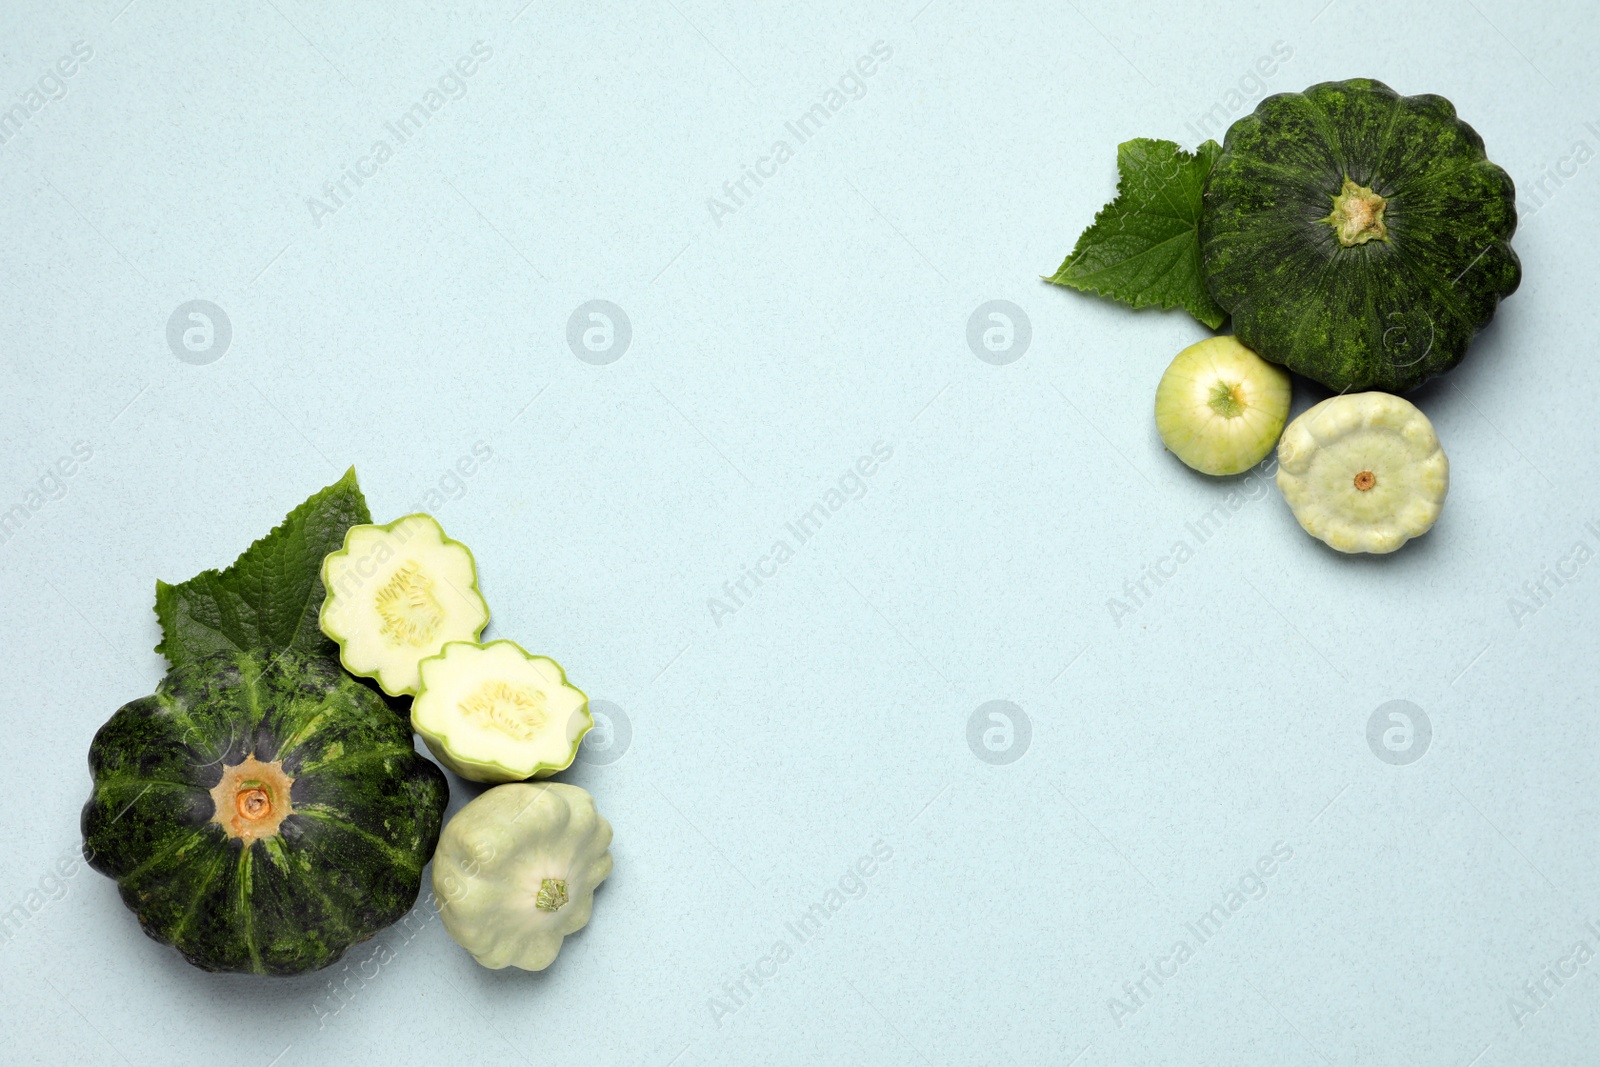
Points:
(214, 573)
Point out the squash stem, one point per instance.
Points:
(1357, 215)
(552, 894)
(1227, 399)
(252, 799)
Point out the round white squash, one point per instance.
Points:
(1363, 472)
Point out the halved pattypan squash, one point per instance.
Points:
(396, 594)
(494, 713)
(1363, 472)
(516, 870)
(1220, 407)
(1357, 236)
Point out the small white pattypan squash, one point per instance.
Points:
(1363, 472)
(516, 870)
(1220, 407)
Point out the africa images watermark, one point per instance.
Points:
(51, 887)
(421, 517)
(1539, 991)
(353, 976)
(1137, 592)
(851, 485)
(1541, 589)
(46, 89)
(1214, 121)
(810, 924)
(451, 86)
(737, 192)
(50, 486)
(999, 732)
(1251, 886)
(452, 484)
(1399, 732)
(1554, 176)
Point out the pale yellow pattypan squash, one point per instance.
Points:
(1220, 407)
(516, 870)
(1363, 472)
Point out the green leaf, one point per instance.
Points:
(269, 599)
(1144, 247)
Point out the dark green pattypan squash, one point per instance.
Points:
(260, 813)
(1357, 236)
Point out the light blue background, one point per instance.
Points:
(770, 349)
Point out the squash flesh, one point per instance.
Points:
(494, 713)
(396, 594)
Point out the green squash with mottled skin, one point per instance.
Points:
(262, 814)
(1357, 236)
